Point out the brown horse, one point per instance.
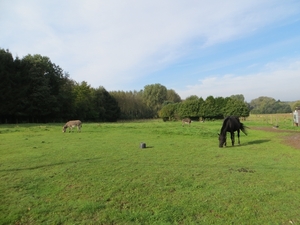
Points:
(231, 124)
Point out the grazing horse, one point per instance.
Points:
(186, 121)
(71, 124)
(231, 124)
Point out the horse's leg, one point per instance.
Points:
(232, 138)
(238, 131)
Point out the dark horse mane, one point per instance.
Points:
(231, 124)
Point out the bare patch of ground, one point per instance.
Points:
(293, 139)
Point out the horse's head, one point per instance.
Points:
(222, 140)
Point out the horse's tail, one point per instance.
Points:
(243, 128)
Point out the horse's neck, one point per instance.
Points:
(225, 128)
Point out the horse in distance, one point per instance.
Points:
(231, 124)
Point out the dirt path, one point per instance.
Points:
(292, 140)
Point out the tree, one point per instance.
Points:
(201, 103)
(7, 84)
(83, 104)
(34, 89)
(192, 97)
(66, 99)
(39, 99)
(212, 108)
(296, 105)
(168, 111)
(220, 103)
(105, 105)
(172, 96)
(154, 95)
(266, 105)
(132, 105)
(189, 108)
(235, 107)
(239, 97)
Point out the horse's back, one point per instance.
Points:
(231, 124)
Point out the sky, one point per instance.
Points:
(195, 47)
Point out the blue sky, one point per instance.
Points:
(203, 48)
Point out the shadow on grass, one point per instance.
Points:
(256, 142)
(149, 147)
(48, 165)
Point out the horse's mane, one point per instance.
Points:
(224, 126)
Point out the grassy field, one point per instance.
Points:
(102, 176)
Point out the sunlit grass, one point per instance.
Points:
(283, 120)
(102, 176)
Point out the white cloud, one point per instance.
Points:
(278, 80)
(112, 43)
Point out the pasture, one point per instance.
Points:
(102, 176)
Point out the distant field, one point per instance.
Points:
(285, 119)
(102, 176)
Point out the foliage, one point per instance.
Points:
(168, 111)
(145, 103)
(235, 107)
(172, 96)
(33, 89)
(101, 176)
(296, 105)
(265, 105)
(8, 84)
(106, 105)
(211, 108)
(132, 105)
(239, 97)
(154, 95)
(192, 97)
(83, 101)
(188, 108)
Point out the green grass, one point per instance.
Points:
(102, 176)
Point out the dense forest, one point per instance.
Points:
(34, 89)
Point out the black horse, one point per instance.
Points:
(231, 124)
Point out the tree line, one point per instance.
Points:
(210, 108)
(268, 105)
(34, 89)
